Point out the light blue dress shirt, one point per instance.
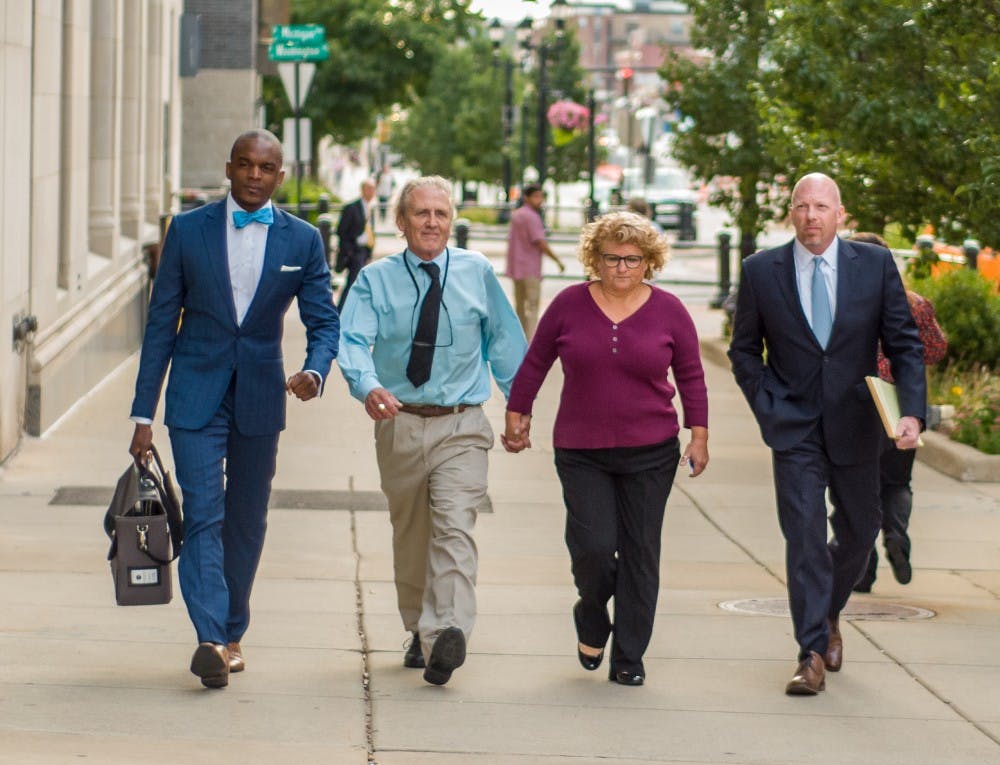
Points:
(478, 331)
(804, 271)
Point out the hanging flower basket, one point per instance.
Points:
(561, 137)
(568, 116)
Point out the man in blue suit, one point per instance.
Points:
(227, 275)
(809, 318)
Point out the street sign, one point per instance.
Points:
(287, 71)
(303, 42)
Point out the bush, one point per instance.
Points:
(977, 417)
(968, 310)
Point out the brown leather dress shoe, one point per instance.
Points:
(211, 663)
(809, 678)
(236, 663)
(834, 655)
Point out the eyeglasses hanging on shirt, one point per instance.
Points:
(445, 334)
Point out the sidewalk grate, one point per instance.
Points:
(281, 499)
(868, 610)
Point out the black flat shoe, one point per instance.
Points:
(624, 677)
(589, 663)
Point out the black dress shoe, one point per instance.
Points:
(900, 562)
(590, 663)
(414, 657)
(625, 677)
(447, 655)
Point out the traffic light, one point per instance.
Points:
(626, 73)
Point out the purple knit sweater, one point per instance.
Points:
(615, 388)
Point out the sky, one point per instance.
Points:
(511, 10)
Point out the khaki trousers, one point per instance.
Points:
(433, 472)
(527, 295)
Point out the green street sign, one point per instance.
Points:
(304, 42)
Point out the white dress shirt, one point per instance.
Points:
(804, 273)
(245, 249)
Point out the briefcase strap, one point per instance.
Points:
(175, 522)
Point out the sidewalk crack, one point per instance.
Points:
(359, 607)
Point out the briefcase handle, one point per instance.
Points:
(169, 500)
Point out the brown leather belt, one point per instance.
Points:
(433, 410)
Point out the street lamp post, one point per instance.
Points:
(558, 11)
(496, 32)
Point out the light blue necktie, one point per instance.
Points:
(264, 215)
(822, 316)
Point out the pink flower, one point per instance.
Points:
(568, 115)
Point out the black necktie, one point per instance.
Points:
(418, 370)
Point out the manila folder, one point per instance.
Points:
(887, 403)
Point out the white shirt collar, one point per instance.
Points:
(232, 206)
(804, 258)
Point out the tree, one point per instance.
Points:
(720, 100)
(455, 129)
(382, 52)
(899, 101)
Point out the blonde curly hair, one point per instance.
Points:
(622, 228)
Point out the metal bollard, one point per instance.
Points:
(324, 222)
(323, 205)
(970, 248)
(686, 224)
(725, 283)
(462, 233)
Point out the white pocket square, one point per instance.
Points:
(285, 269)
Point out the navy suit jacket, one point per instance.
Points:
(350, 226)
(192, 323)
(791, 382)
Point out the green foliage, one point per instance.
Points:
(968, 310)
(287, 194)
(977, 417)
(721, 100)
(482, 215)
(382, 53)
(454, 130)
(899, 101)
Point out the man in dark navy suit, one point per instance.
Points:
(809, 317)
(356, 233)
(227, 275)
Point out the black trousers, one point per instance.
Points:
(615, 500)
(357, 260)
(895, 473)
(821, 574)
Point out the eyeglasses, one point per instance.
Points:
(631, 261)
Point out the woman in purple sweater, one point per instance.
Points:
(616, 431)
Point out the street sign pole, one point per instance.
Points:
(298, 143)
(297, 45)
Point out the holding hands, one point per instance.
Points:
(515, 437)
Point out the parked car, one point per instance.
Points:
(671, 195)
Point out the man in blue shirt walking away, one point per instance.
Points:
(421, 332)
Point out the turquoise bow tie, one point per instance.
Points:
(264, 215)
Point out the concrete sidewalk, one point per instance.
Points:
(82, 679)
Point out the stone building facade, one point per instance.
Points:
(90, 139)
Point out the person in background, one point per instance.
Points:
(526, 245)
(896, 465)
(356, 232)
(820, 306)
(230, 269)
(422, 332)
(616, 432)
(640, 206)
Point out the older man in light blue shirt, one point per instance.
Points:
(421, 332)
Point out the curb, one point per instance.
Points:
(956, 460)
